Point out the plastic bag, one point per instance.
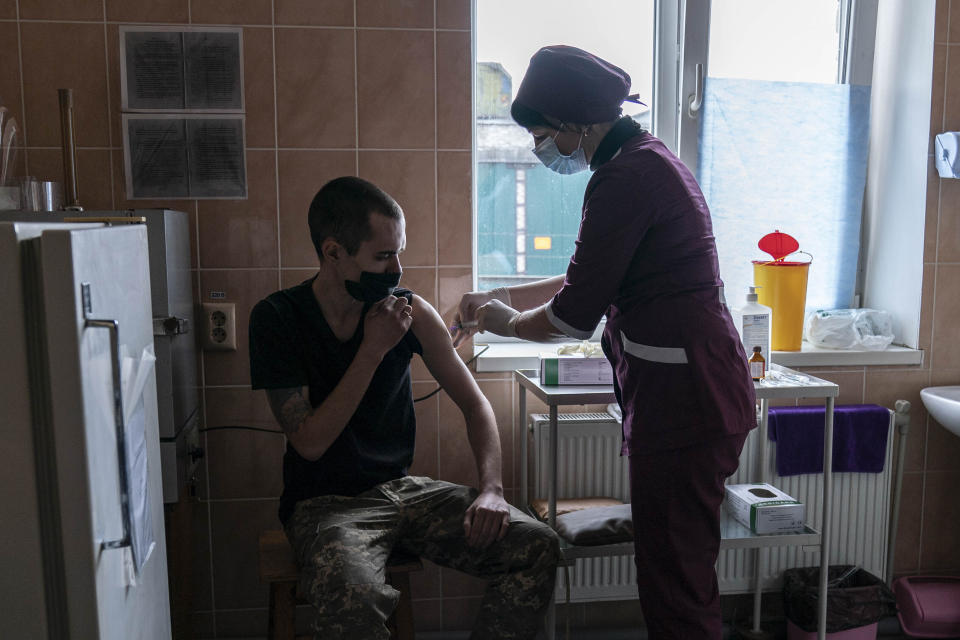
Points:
(855, 597)
(849, 329)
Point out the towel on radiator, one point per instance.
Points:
(859, 438)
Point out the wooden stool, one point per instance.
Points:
(279, 570)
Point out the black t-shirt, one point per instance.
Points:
(291, 345)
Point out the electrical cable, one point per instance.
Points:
(240, 426)
(248, 428)
(440, 388)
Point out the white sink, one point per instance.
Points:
(943, 403)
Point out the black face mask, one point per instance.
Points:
(373, 287)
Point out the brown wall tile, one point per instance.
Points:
(943, 449)
(932, 215)
(258, 73)
(64, 56)
(291, 277)
(395, 89)
(302, 173)
(850, 383)
(10, 81)
(926, 311)
(454, 129)
(8, 9)
(417, 14)
(907, 555)
(948, 236)
(951, 108)
(93, 174)
(422, 281)
(236, 527)
(457, 584)
(410, 177)
(242, 233)
(329, 13)
(453, 283)
(201, 587)
(941, 21)
(426, 613)
(244, 288)
(938, 93)
(425, 459)
(61, 10)
(244, 622)
(885, 388)
(453, 14)
(500, 395)
(945, 352)
(941, 522)
(457, 463)
(242, 463)
(315, 102)
(176, 11)
(231, 12)
(454, 213)
(459, 613)
(953, 34)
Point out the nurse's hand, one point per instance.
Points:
(464, 324)
(498, 318)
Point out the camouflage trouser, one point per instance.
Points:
(342, 545)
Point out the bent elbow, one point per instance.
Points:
(310, 452)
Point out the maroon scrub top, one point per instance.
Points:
(646, 257)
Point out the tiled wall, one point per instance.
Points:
(380, 89)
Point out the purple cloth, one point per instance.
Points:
(859, 438)
(573, 85)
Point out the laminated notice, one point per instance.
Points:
(575, 369)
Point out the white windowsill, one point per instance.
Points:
(507, 356)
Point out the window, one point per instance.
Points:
(781, 139)
(527, 215)
(778, 141)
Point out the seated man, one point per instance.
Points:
(334, 355)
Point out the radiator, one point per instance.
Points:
(860, 507)
(589, 464)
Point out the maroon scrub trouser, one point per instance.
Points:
(676, 498)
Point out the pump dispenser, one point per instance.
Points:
(753, 325)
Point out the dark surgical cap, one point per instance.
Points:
(572, 86)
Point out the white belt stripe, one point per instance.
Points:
(666, 355)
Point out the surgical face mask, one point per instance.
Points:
(548, 153)
(373, 287)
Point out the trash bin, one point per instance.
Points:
(856, 600)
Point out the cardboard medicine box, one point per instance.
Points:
(764, 508)
(575, 369)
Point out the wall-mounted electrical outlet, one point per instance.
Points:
(219, 321)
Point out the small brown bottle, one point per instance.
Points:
(758, 366)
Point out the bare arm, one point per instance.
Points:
(533, 294)
(535, 326)
(487, 519)
(311, 430)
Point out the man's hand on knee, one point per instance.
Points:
(487, 519)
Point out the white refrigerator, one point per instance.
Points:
(81, 512)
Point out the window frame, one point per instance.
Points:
(681, 42)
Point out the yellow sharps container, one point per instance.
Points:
(782, 287)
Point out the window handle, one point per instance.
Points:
(696, 98)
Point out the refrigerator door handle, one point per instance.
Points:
(114, 328)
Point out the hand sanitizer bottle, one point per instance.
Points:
(753, 324)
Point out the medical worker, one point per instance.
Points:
(645, 258)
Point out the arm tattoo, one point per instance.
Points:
(289, 407)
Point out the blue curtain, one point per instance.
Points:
(790, 156)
